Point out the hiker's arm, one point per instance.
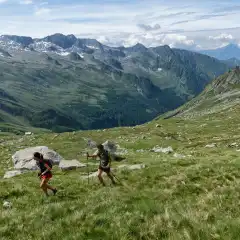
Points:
(48, 169)
(92, 156)
(110, 162)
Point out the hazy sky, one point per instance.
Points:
(179, 23)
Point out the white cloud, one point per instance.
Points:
(3, 1)
(222, 37)
(148, 39)
(176, 23)
(176, 40)
(42, 11)
(26, 2)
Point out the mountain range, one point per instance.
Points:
(64, 83)
(231, 51)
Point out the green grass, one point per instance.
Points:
(192, 198)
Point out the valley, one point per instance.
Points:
(61, 83)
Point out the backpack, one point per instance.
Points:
(107, 154)
(48, 162)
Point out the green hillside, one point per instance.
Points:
(192, 193)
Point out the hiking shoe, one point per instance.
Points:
(54, 191)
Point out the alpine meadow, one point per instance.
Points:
(119, 120)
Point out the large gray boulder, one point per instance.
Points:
(115, 151)
(111, 147)
(23, 159)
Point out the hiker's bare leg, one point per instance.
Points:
(111, 177)
(48, 186)
(43, 186)
(100, 176)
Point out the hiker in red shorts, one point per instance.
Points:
(45, 173)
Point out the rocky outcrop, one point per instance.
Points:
(23, 159)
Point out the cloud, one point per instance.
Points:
(149, 39)
(26, 2)
(222, 37)
(149, 27)
(181, 23)
(42, 11)
(176, 40)
(3, 1)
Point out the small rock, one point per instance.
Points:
(158, 125)
(7, 204)
(158, 149)
(176, 155)
(132, 167)
(70, 165)
(211, 145)
(168, 138)
(233, 145)
(28, 133)
(10, 174)
(140, 150)
(91, 144)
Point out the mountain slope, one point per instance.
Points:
(225, 53)
(191, 193)
(64, 83)
(232, 62)
(220, 95)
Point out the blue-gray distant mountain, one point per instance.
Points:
(65, 83)
(225, 53)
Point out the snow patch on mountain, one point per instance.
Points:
(64, 53)
(9, 44)
(92, 47)
(43, 46)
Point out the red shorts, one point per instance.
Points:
(46, 176)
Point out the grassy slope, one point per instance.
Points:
(192, 198)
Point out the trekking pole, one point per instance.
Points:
(116, 177)
(121, 182)
(87, 168)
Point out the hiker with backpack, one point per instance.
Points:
(45, 173)
(105, 163)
